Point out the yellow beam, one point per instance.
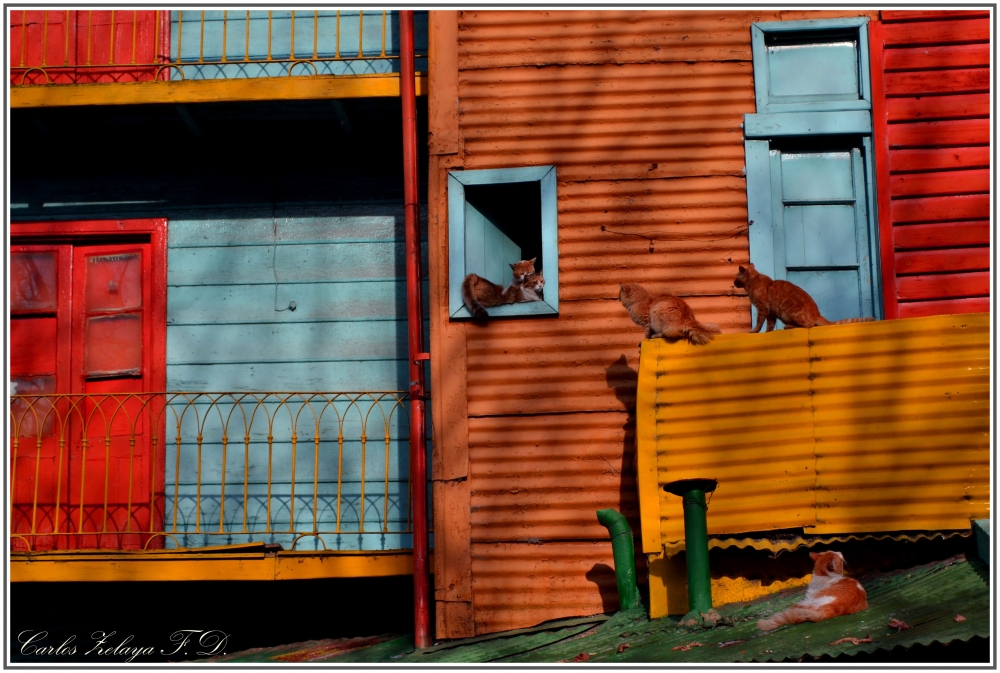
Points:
(212, 90)
(63, 567)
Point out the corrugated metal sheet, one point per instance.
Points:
(936, 104)
(840, 429)
(901, 416)
(779, 545)
(516, 583)
(640, 112)
(544, 477)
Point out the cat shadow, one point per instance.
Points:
(603, 576)
(623, 379)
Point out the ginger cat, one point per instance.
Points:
(664, 315)
(829, 594)
(479, 293)
(781, 300)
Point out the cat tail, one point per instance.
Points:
(469, 297)
(793, 615)
(845, 321)
(700, 334)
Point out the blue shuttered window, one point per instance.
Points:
(497, 217)
(810, 164)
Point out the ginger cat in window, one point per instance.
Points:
(479, 293)
(830, 594)
(781, 300)
(664, 315)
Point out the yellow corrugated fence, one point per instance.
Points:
(855, 428)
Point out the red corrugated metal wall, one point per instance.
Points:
(641, 112)
(932, 131)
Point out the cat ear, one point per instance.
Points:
(512, 266)
(750, 264)
(742, 270)
(813, 555)
(532, 260)
(839, 554)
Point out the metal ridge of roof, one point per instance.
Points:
(803, 541)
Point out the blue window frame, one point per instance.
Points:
(810, 170)
(496, 217)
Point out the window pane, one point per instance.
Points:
(33, 281)
(28, 413)
(114, 282)
(113, 345)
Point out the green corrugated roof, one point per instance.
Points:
(928, 598)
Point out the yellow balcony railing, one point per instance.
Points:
(145, 471)
(844, 429)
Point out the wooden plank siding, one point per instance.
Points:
(640, 113)
(932, 133)
(231, 278)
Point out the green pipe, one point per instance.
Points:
(696, 551)
(624, 553)
(692, 493)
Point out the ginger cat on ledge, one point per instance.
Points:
(781, 300)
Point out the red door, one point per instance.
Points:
(86, 326)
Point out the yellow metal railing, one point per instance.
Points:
(147, 470)
(88, 46)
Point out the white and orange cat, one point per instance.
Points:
(663, 315)
(781, 300)
(830, 594)
(526, 285)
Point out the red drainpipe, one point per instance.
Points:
(414, 314)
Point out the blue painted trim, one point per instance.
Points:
(758, 32)
(812, 24)
(526, 309)
(862, 235)
(546, 177)
(777, 124)
(494, 176)
(758, 171)
(456, 243)
(873, 235)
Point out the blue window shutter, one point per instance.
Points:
(812, 205)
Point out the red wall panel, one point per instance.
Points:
(86, 46)
(931, 84)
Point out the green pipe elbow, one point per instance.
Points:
(624, 554)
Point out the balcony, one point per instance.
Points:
(70, 57)
(321, 477)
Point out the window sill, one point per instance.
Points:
(523, 309)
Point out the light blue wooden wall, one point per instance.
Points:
(360, 31)
(229, 273)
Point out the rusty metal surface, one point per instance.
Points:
(842, 429)
(544, 477)
(522, 584)
(640, 112)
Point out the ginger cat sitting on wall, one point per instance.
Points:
(781, 300)
(664, 315)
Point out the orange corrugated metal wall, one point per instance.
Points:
(933, 128)
(640, 112)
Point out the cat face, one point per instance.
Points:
(629, 293)
(523, 268)
(534, 282)
(745, 275)
(828, 563)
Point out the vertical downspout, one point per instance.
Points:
(414, 315)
